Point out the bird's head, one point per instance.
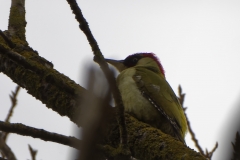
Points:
(149, 60)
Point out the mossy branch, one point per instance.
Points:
(17, 22)
(146, 143)
(46, 84)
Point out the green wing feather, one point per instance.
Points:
(156, 89)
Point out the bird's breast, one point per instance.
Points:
(133, 100)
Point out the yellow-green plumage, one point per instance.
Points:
(144, 89)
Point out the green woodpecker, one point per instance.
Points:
(147, 95)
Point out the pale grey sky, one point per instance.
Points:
(197, 43)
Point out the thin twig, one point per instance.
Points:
(6, 150)
(104, 66)
(181, 99)
(207, 154)
(13, 98)
(83, 24)
(194, 137)
(33, 152)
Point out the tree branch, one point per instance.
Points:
(6, 149)
(13, 98)
(43, 82)
(194, 139)
(33, 152)
(17, 22)
(7, 40)
(147, 142)
(104, 66)
(23, 130)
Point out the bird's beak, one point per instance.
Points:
(117, 64)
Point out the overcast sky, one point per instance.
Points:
(197, 43)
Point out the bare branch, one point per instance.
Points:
(194, 139)
(209, 154)
(13, 98)
(104, 66)
(21, 129)
(6, 150)
(32, 152)
(83, 24)
(181, 96)
(181, 99)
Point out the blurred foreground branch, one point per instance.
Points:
(94, 116)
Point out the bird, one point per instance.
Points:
(147, 96)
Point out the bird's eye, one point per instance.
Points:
(132, 60)
(135, 60)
